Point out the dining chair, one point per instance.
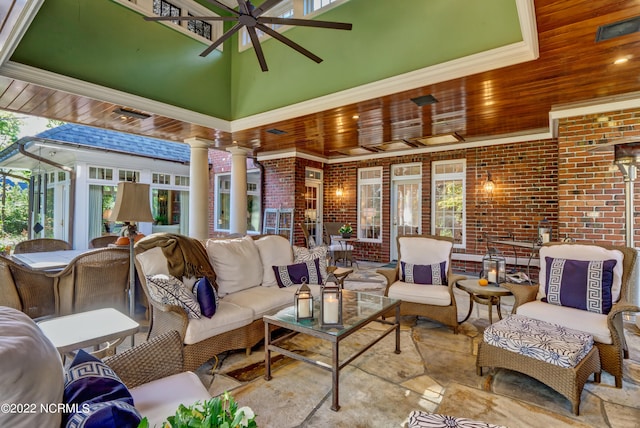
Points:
(40, 245)
(337, 250)
(308, 239)
(27, 290)
(103, 241)
(96, 279)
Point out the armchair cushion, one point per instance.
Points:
(170, 290)
(582, 252)
(577, 319)
(424, 251)
(418, 293)
(579, 284)
(295, 273)
(433, 274)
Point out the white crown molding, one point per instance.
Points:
(15, 24)
(79, 87)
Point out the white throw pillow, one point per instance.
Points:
(275, 250)
(302, 254)
(31, 372)
(170, 290)
(153, 262)
(236, 263)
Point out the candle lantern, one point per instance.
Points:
(331, 304)
(545, 231)
(303, 302)
(494, 267)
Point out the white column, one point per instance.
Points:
(238, 193)
(198, 188)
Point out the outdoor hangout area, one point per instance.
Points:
(314, 344)
(301, 213)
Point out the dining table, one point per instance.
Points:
(47, 261)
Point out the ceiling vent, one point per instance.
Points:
(424, 100)
(276, 131)
(620, 28)
(125, 112)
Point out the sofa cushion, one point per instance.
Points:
(206, 296)
(153, 261)
(169, 290)
(421, 419)
(160, 398)
(434, 274)
(262, 300)
(236, 263)
(577, 319)
(228, 317)
(579, 284)
(582, 252)
(418, 293)
(302, 254)
(102, 399)
(295, 274)
(30, 370)
(275, 250)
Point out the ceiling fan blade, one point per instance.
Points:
(289, 42)
(243, 7)
(190, 18)
(306, 23)
(264, 7)
(223, 6)
(258, 48)
(222, 38)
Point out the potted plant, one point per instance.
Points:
(346, 230)
(218, 412)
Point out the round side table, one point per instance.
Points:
(483, 294)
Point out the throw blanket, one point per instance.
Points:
(185, 256)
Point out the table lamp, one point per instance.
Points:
(132, 205)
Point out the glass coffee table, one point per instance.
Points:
(359, 309)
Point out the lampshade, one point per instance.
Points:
(132, 203)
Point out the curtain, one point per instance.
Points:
(95, 212)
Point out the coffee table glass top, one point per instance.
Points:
(357, 308)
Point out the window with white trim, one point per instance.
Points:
(128, 175)
(448, 203)
(203, 31)
(222, 220)
(370, 204)
(98, 173)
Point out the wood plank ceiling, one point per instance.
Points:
(572, 68)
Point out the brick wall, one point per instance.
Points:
(591, 188)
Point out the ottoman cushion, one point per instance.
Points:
(420, 419)
(541, 340)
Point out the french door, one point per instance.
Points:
(406, 203)
(313, 204)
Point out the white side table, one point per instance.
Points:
(92, 328)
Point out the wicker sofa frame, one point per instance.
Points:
(612, 355)
(447, 315)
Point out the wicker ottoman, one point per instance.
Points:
(561, 358)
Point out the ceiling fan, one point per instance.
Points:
(253, 18)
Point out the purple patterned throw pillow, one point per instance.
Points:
(434, 274)
(292, 274)
(580, 284)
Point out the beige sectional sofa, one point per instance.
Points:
(247, 288)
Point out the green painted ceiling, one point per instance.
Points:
(102, 42)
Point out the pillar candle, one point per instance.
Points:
(330, 310)
(303, 308)
(492, 276)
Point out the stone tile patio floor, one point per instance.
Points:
(435, 372)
